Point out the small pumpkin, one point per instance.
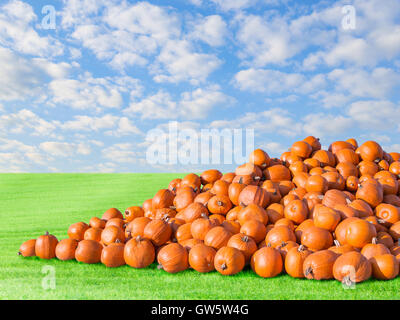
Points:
(347, 156)
(341, 249)
(352, 267)
(254, 195)
(285, 222)
(373, 249)
(139, 252)
(133, 213)
(136, 227)
(210, 176)
(162, 199)
(65, 249)
(254, 229)
(301, 149)
(275, 211)
(173, 258)
(200, 227)
(325, 217)
(298, 231)
(112, 234)
(192, 180)
(334, 180)
(232, 226)
(277, 173)
(27, 249)
(190, 243)
(229, 261)
(316, 238)
(112, 213)
(193, 211)
(112, 256)
(267, 262)
(234, 191)
(252, 212)
(259, 158)
(228, 177)
(119, 223)
(45, 246)
(279, 234)
(203, 197)
(385, 239)
(294, 261)
(158, 231)
(96, 222)
(352, 183)
(370, 151)
(316, 184)
(183, 232)
(385, 267)
(201, 258)
(174, 185)
(217, 237)
(88, 251)
(93, 234)
(297, 211)
(326, 158)
(313, 142)
(390, 214)
(285, 247)
(359, 233)
(334, 197)
(77, 230)
(220, 187)
(319, 265)
(243, 243)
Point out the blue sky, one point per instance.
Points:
(83, 96)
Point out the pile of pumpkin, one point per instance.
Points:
(316, 214)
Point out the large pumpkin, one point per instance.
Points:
(139, 252)
(201, 258)
(319, 265)
(267, 262)
(173, 258)
(254, 195)
(352, 267)
(229, 261)
(45, 246)
(88, 251)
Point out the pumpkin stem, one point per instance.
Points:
(203, 215)
(381, 221)
(374, 240)
(172, 207)
(283, 244)
(301, 248)
(308, 271)
(138, 238)
(47, 233)
(159, 266)
(245, 238)
(117, 241)
(269, 244)
(241, 180)
(257, 178)
(224, 267)
(19, 253)
(348, 201)
(220, 203)
(337, 243)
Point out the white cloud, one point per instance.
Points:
(178, 62)
(95, 93)
(18, 123)
(121, 153)
(269, 81)
(323, 125)
(64, 149)
(376, 115)
(16, 31)
(194, 104)
(233, 4)
(211, 30)
(22, 78)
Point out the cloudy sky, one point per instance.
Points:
(83, 96)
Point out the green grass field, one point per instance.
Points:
(33, 203)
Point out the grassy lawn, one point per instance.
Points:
(33, 203)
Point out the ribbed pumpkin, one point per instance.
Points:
(277, 173)
(174, 185)
(301, 149)
(319, 265)
(252, 211)
(371, 193)
(217, 237)
(347, 156)
(243, 243)
(119, 223)
(374, 249)
(192, 180)
(220, 187)
(112, 256)
(285, 247)
(139, 252)
(297, 211)
(388, 213)
(183, 232)
(96, 222)
(334, 197)
(254, 229)
(229, 261)
(93, 234)
(267, 262)
(184, 198)
(298, 231)
(326, 158)
(359, 233)
(203, 197)
(228, 177)
(370, 151)
(158, 231)
(112, 213)
(385, 267)
(201, 258)
(27, 249)
(112, 234)
(275, 211)
(210, 176)
(316, 238)
(219, 204)
(88, 251)
(193, 211)
(77, 230)
(259, 158)
(133, 213)
(65, 249)
(325, 217)
(173, 258)
(254, 195)
(279, 234)
(234, 191)
(162, 199)
(352, 267)
(341, 249)
(200, 227)
(232, 226)
(294, 261)
(316, 184)
(136, 227)
(45, 246)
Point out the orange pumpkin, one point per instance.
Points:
(297, 211)
(319, 265)
(173, 258)
(229, 261)
(201, 258)
(385, 267)
(352, 267)
(316, 238)
(65, 249)
(267, 262)
(45, 246)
